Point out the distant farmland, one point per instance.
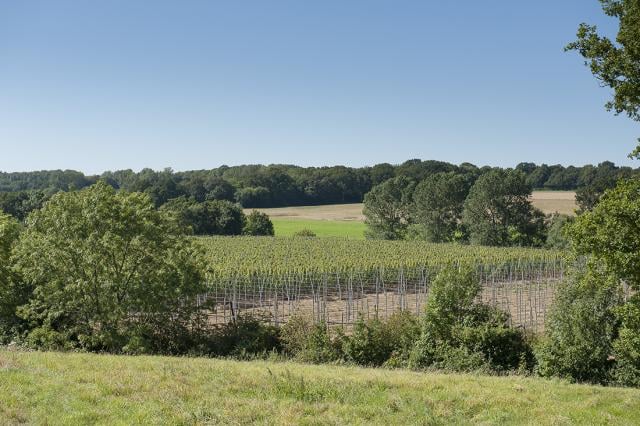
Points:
(346, 220)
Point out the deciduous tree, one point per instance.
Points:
(108, 272)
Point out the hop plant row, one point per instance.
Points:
(250, 256)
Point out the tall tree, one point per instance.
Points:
(616, 64)
(438, 205)
(498, 211)
(108, 272)
(610, 236)
(387, 209)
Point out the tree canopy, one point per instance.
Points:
(387, 209)
(498, 211)
(258, 224)
(438, 205)
(107, 271)
(611, 232)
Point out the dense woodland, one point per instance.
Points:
(287, 185)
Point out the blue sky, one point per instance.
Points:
(92, 86)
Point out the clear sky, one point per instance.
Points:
(98, 85)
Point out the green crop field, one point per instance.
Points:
(55, 388)
(267, 256)
(286, 227)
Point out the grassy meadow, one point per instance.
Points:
(287, 227)
(56, 388)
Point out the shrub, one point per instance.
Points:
(626, 348)
(308, 342)
(258, 224)
(305, 233)
(581, 328)
(402, 329)
(382, 342)
(461, 335)
(247, 336)
(368, 344)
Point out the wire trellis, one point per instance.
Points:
(523, 289)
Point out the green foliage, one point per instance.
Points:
(610, 232)
(258, 224)
(557, 229)
(12, 293)
(20, 203)
(109, 272)
(351, 229)
(9, 232)
(373, 342)
(581, 329)
(305, 233)
(594, 181)
(438, 205)
(271, 186)
(498, 211)
(376, 342)
(626, 348)
(615, 64)
(368, 343)
(212, 217)
(462, 335)
(278, 259)
(254, 197)
(245, 337)
(308, 342)
(387, 209)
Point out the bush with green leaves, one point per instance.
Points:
(378, 341)
(626, 347)
(305, 233)
(460, 334)
(245, 337)
(12, 293)
(557, 229)
(307, 341)
(581, 328)
(258, 224)
(106, 271)
(368, 344)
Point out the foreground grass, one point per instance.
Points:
(286, 227)
(56, 388)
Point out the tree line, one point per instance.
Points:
(494, 209)
(286, 185)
